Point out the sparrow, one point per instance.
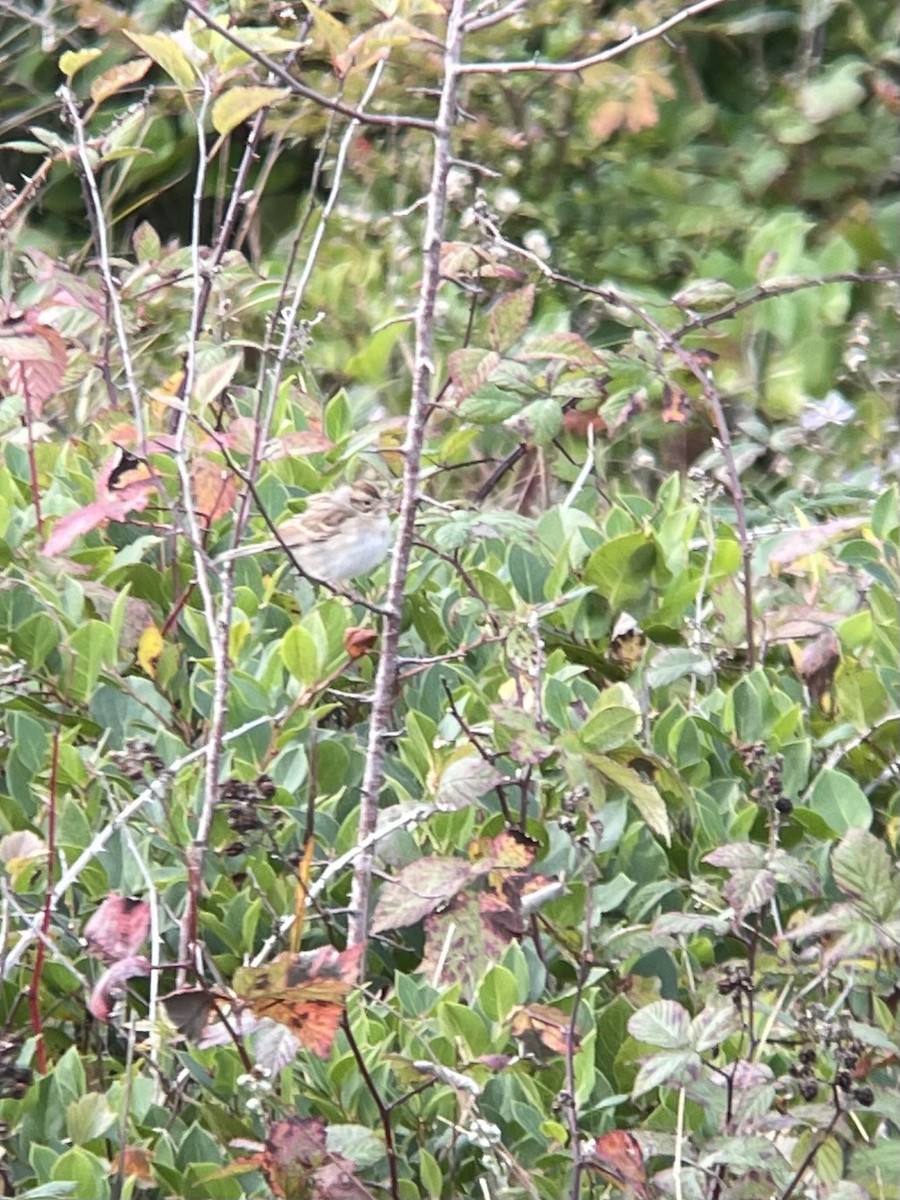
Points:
(341, 534)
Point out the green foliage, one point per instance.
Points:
(638, 807)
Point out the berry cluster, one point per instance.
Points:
(242, 798)
(816, 1027)
(136, 759)
(756, 758)
(14, 1080)
(735, 981)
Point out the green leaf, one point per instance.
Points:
(614, 719)
(862, 869)
(663, 1023)
(86, 1171)
(238, 104)
(458, 1020)
(647, 799)
(300, 655)
(88, 1118)
(498, 993)
(510, 316)
(833, 92)
(713, 1025)
(669, 1068)
(49, 1191)
(94, 647)
(432, 1178)
(621, 567)
(333, 33)
(490, 405)
(466, 779)
(538, 422)
(678, 662)
(840, 800)
(68, 1076)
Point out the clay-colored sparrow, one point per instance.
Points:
(341, 534)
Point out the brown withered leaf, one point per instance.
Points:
(359, 641)
(817, 663)
(541, 1027)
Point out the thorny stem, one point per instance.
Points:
(420, 404)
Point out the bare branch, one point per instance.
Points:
(112, 290)
(637, 38)
(390, 121)
(420, 407)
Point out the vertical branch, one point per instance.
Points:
(289, 311)
(34, 989)
(217, 616)
(423, 372)
(95, 207)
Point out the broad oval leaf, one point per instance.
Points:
(663, 1023)
(238, 104)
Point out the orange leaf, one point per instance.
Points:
(135, 1163)
(305, 992)
(618, 1157)
(214, 490)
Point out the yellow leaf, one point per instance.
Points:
(72, 61)
(333, 33)
(239, 103)
(166, 53)
(149, 649)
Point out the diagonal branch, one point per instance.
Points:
(389, 121)
(573, 66)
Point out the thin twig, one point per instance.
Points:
(413, 816)
(217, 615)
(384, 1110)
(637, 38)
(111, 287)
(388, 120)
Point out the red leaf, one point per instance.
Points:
(33, 359)
(118, 927)
(111, 984)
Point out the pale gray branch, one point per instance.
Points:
(637, 38)
(420, 401)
